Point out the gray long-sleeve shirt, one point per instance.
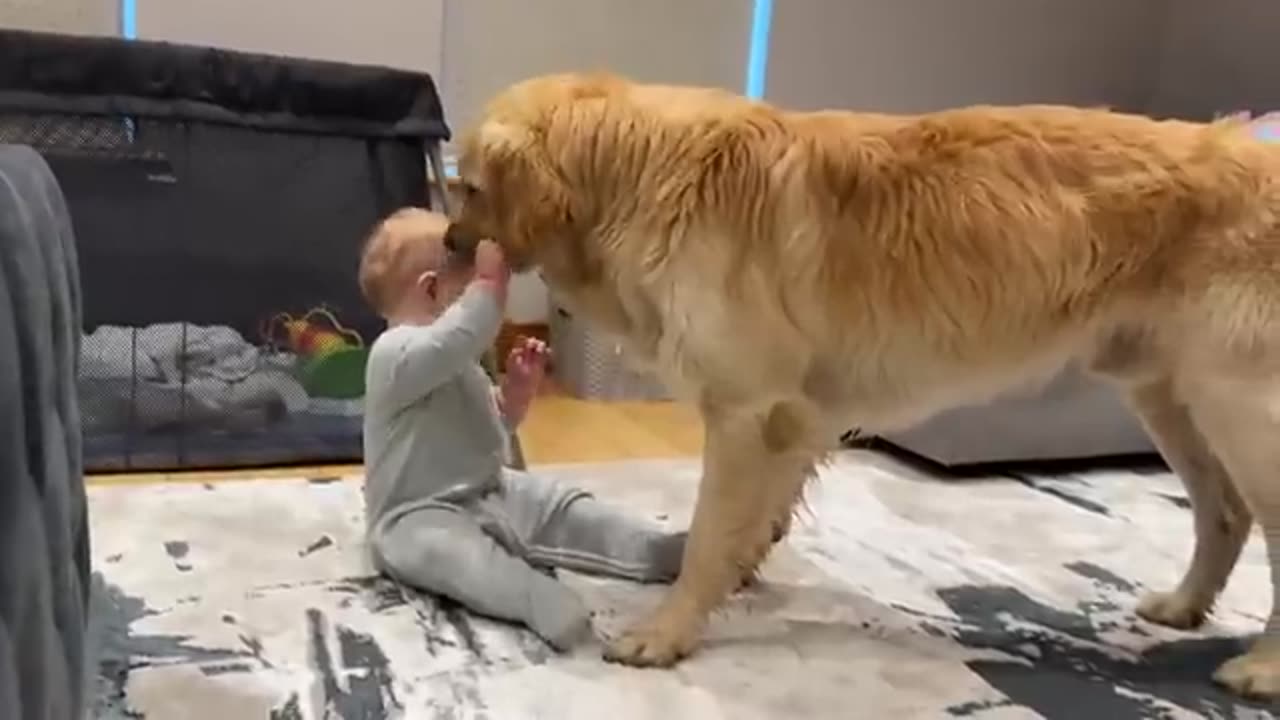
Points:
(432, 431)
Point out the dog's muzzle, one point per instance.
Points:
(461, 246)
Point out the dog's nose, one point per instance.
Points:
(461, 248)
(451, 238)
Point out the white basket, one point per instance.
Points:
(592, 366)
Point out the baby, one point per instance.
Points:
(443, 514)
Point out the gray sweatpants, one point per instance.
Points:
(491, 554)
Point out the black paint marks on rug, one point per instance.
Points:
(384, 595)
(111, 700)
(1177, 500)
(322, 542)
(147, 649)
(121, 650)
(323, 480)
(1102, 577)
(1055, 489)
(290, 710)
(216, 669)
(977, 706)
(320, 657)
(426, 615)
(430, 610)
(535, 649)
(378, 592)
(457, 696)
(1063, 673)
(369, 696)
(254, 646)
(460, 623)
(178, 550)
(362, 651)
(458, 618)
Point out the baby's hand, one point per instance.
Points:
(527, 361)
(491, 266)
(526, 364)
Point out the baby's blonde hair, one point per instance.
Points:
(405, 244)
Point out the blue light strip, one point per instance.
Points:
(129, 19)
(129, 31)
(758, 50)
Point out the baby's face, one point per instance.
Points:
(451, 283)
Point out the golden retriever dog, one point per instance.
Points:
(796, 274)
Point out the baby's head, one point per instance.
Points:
(405, 274)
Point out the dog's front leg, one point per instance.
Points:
(744, 470)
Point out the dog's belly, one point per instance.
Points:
(895, 391)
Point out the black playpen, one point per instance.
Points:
(219, 200)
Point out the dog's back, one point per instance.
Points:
(946, 253)
(1000, 233)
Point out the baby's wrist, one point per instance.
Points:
(517, 389)
(493, 287)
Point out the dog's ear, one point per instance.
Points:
(525, 188)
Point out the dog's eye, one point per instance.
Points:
(470, 190)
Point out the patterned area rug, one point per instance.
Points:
(898, 595)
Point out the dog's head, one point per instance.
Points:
(512, 170)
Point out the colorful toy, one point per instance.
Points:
(331, 358)
(1267, 127)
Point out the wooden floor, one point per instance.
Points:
(563, 429)
(559, 429)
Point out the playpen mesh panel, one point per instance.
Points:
(65, 133)
(219, 200)
(201, 247)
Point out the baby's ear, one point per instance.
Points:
(428, 282)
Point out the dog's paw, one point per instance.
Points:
(780, 528)
(1172, 609)
(651, 645)
(748, 581)
(1253, 675)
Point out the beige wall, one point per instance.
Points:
(915, 55)
(491, 43)
(475, 47)
(81, 17)
(1217, 56)
(1184, 57)
(397, 33)
(894, 55)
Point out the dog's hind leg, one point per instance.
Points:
(749, 462)
(1241, 421)
(1221, 519)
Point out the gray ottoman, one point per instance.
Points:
(44, 534)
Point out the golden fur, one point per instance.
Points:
(796, 274)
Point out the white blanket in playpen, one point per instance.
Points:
(182, 374)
